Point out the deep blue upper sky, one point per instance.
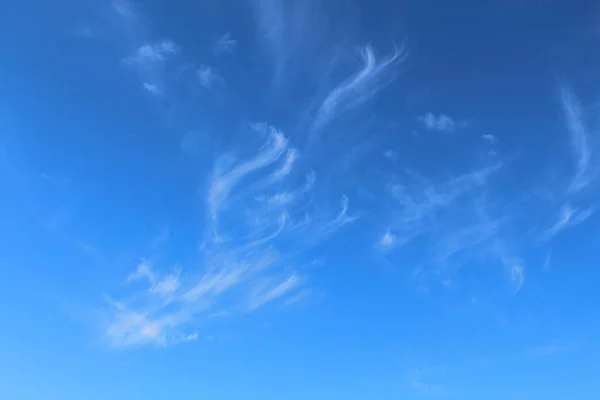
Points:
(299, 199)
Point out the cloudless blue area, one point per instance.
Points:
(435, 235)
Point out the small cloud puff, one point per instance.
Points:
(441, 123)
(152, 53)
(151, 88)
(491, 139)
(224, 45)
(387, 240)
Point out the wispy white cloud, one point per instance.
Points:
(579, 137)
(450, 219)
(265, 294)
(418, 203)
(167, 285)
(252, 205)
(209, 77)
(299, 297)
(163, 237)
(361, 86)
(390, 154)
(547, 262)
(387, 240)
(287, 31)
(223, 180)
(159, 285)
(125, 9)
(272, 24)
(280, 199)
(567, 217)
(151, 88)
(441, 123)
(225, 44)
(130, 328)
(143, 272)
(342, 218)
(491, 139)
(133, 329)
(213, 284)
(517, 276)
(288, 163)
(191, 337)
(153, 53)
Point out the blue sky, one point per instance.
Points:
(300, 199)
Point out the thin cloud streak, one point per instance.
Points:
(289, 30)
(290, 158)
(451, 221)
(125, 10)
(568, 217)
(224, 181)
(265, 295)
(342, 219)
(360, 87)
(579, 137)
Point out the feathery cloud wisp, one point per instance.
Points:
(268, 294)
(124, 9)
(290, 158)
(223, 181)
(130, 328)
(568, 217)
(208, 77)
(361, 86)
(246, 246)
(579, 137)
(451, 221)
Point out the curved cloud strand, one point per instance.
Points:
(223, 181)
(579, 137)
(362, 86)
(247, 262)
